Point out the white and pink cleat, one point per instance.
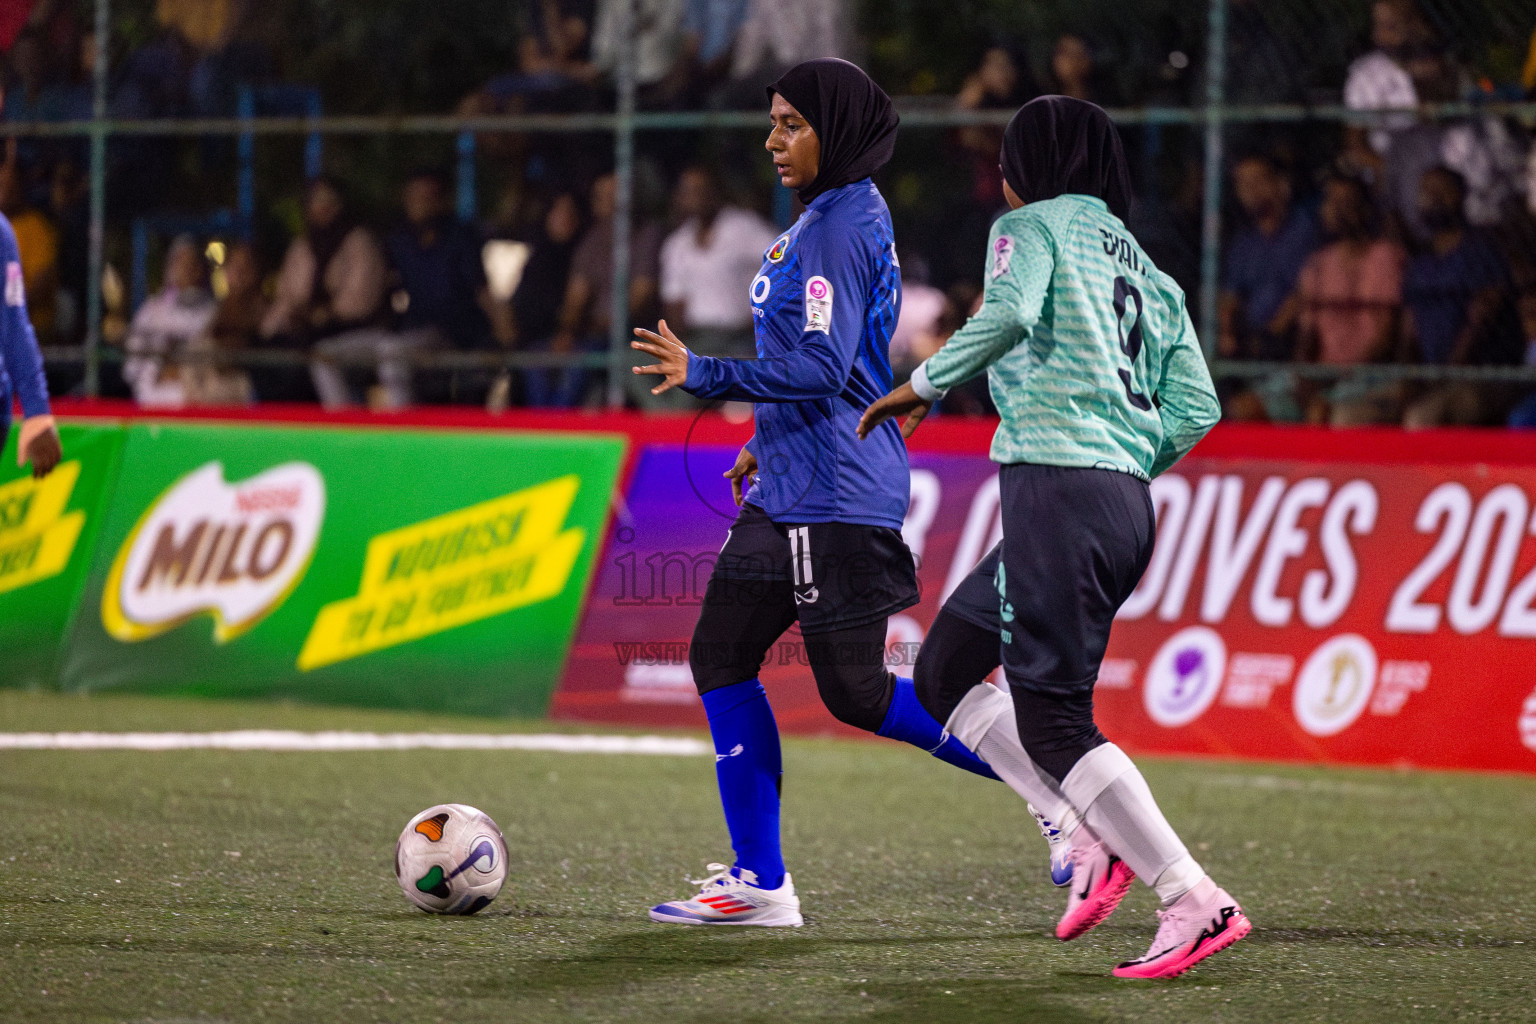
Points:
(1203, 921)
(1100, 881)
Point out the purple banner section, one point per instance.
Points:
(630, 661)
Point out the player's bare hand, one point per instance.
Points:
(742, 474)
(39, 444)
(671, 355)
(901, 402)
(915, 418)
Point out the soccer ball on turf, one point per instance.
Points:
(451, 859)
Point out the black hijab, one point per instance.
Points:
(851, 115)
(1056, 145)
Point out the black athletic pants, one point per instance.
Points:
(1075, 544)
(741, 621)
(839, 581)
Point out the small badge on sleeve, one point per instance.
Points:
(15, 288)
(1002, 256)
(818, 305)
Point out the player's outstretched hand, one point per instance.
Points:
(672, 356)
(901, 402)
(742, 474)
(39, 444)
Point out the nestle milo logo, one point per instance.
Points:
(234, 551)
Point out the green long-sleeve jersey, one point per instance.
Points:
(1090, 353)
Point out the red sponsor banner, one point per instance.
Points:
(1351, 603)
(1334, 612)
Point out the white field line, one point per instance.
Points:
(287, 740)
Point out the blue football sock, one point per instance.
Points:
(748, 766)
(907, 720)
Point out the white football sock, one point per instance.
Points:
(984, 722)
(1110, 794)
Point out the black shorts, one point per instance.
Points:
(1075, 543)
(976, 599)
(844, 574)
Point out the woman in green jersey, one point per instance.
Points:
(1093, 363)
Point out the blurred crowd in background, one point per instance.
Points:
(1408, 240)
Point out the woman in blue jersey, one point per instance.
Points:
(818, 538)
(1095, 368)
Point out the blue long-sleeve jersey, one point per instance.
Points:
(21, 364)
(824, 307)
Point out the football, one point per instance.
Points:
(451, 859)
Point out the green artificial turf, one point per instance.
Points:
(206, 885)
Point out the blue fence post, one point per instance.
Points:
(466, 199)
(139, 279)
(1210, 226)
(245, 178)
(97, 239)
(624, 181)
(314, 153)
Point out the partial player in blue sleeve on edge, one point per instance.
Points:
(818, 539)
(21, 367)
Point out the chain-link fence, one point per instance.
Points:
(1342, 188)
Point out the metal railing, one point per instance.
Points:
(1211, 118)
(452, 360)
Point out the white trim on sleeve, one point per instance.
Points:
(924, 387)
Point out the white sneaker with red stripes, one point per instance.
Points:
(726, 898)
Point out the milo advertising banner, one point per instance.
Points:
(420, 569)
(47, 533)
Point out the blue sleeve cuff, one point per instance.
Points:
(923, 386)
(36, 407)
(692, 380)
